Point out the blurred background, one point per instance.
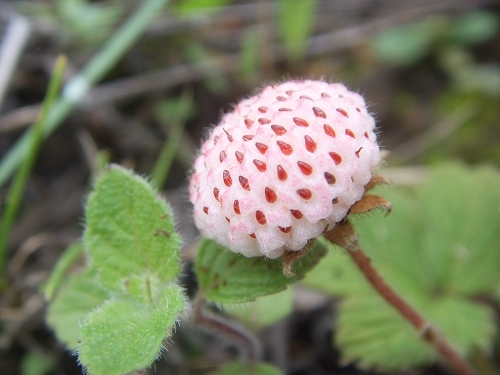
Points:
(430, 71)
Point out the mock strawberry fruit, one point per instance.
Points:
(283, 166)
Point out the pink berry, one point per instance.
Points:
(284, 165)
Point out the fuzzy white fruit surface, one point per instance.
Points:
(284, 165)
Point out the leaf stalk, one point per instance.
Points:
(344, 235)
(248, 345)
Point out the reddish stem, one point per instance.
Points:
(344, 236)
(233, 332)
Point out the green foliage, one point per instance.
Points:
(264, 311)
(227, 277)
(197, 54)
(134, 333)
(118, 311)
(76, 88)
(33, 144)
(406, 44)
(439, 248)
(65, 261)
(475, 141)
(87, 21)
(130, 232)
(81, 294)
(475, 27)
(175, 112)
(250, 56)
(190, 7)
(243, 369)
(36, 364)
(295, 24)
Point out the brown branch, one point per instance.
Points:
(345, 236)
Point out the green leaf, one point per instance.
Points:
(296, 21)
(74, 301)
(404, 45)
(122, 335)
(67, 259)
(232, 368)
(264, 311)
(376, 336)
(438, 248)
(190, 7)
(130, 232)
(461, 241)
(176, 112)
(36, 364)
(250, 56)
(475, 27)
(227, 277)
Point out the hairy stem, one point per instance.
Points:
(345, 236)
(248, 345)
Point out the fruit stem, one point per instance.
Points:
(345, 236)
(247, 344)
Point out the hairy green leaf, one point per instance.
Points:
(74, 301)
(243, 369)
(130, 232)
(264, 311)
(438, 248)
(228, 277)
(123, 335)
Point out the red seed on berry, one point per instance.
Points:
(271, 196)
(300, 122)
(285, 147)
(261, 166)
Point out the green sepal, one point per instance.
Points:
(130, 231)
(73, 302)
(124, 335)
(227, 277)
(239, 368)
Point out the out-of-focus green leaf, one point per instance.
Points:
(404, 45)
(175, 112)
(233, 368)
(75, 300)
(227, 277)
(438, 248)
(89, 21)
(70, 255)
(250, 56)
(264, 311)
(197, 54)
(36, 364)
(190, 7)
(475, 27)
(296, 20)
(460, 238)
